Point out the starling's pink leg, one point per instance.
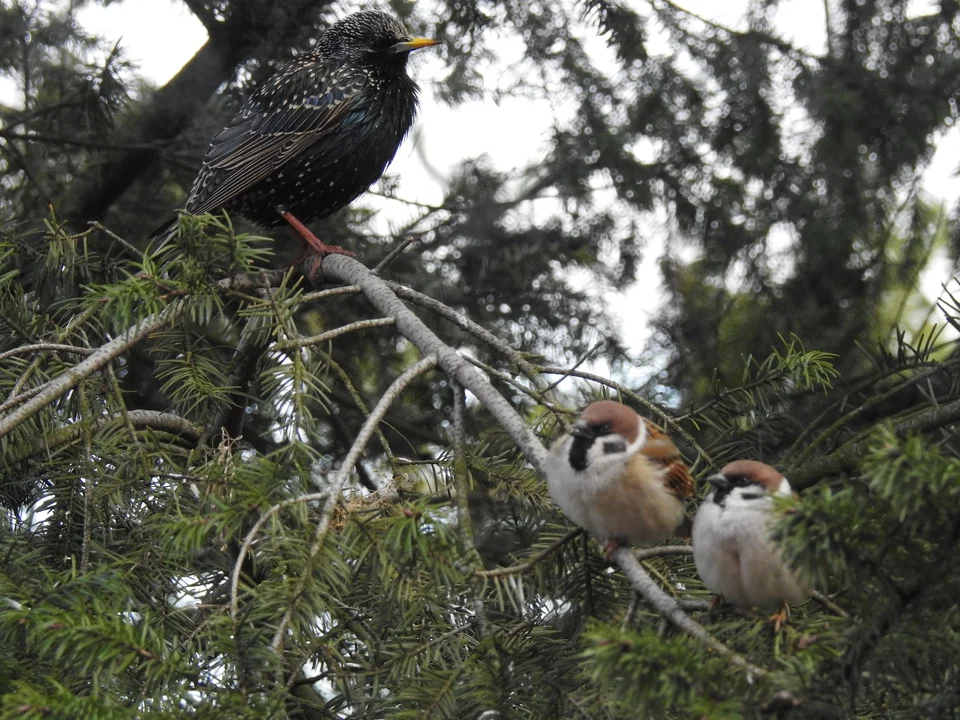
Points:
(312, 240)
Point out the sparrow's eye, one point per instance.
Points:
(601, 428)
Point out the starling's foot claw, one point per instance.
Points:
(311, 266)
(779, 618)
(609, 547)
(318, 246)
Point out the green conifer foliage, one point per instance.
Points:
(228, 493)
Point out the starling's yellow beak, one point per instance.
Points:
(415, 44)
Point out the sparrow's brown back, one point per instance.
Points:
(660, 449)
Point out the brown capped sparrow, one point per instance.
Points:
(618, 476)
(732, 548)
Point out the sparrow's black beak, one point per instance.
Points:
(582, 430)
(721, 482)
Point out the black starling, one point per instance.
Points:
(318, 133)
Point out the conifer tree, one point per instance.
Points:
(228, 493)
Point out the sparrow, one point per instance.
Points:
(732, 548)
(618, 476)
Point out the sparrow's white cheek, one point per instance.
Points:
(604, 462)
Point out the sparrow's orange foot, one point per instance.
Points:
(715, 602)
(779, 618)
(609, 547)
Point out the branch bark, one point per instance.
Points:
(413, 328)
(671, 610)
(82, 370)
(848, 457)
(138, 419)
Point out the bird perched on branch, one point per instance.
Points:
(318, 133)
(618, 476)
(732, 548)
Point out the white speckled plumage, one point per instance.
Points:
(319, 132)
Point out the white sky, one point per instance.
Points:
(161, 35)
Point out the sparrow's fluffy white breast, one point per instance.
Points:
(618, 495)
(572, 489)
(734, 554)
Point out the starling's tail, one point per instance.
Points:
(162, 235)
(163, 228)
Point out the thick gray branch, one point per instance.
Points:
(413, 329)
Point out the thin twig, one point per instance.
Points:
(251, 536)
(20, 398)
(662, 551)
(340, 480)
(46, 347)
(379, 294)
(578, 363)
(89, 483)
(331, 292)
(300, 342)
(526, 565)
(137, 419)
(113, 236)
(71, 377)
(557, 410)
(394, 254)
(829, 604)
(847, 457)
(873, 400)
(479, 332)
(332, 364)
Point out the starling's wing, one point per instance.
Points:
(288, 114)
(660, 449)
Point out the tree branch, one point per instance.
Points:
(71, 377)
(46, 347)
(138, 419)
(847, 457)
(45, 394)
(411, 327)
(526, 565)
(669, 609)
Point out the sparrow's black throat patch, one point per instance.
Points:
(721, 492)
(585, 439)
(578, 451)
